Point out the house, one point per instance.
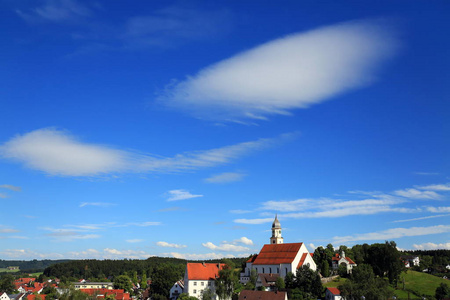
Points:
(176, 290)
(338, 260)
(278, 257)
(268, 281)
(16, 296)
(260, 295)
(410, 260)
(119, 294)
(92, 285)
(199, 277)
(332, 293)
(4, 296)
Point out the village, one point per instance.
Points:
(270, 274)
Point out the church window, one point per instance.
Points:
(270, 270)
(278, 270)
(263, 270)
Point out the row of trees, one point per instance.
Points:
(383, 258)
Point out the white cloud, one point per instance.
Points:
(225, 177)
(254, 221)
(108, 253)
(4, 229)
(225, 247)
(176, 195)
(244, 240)
(205, 256)
(4, 196)
(169, 245)
(100, 204)
(432, 246)
(393, 233)
(295, 71)
(11, 187)
(134, 241)
(56, 11)
(56, 152)
(416, 194)
(421, 218)
(435, 187)
(444, 209)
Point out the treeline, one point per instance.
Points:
(30, 266)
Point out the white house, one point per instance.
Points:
(176, 290)
(333, 294)
(278, 257)
(268, 281)
(410, 260)
(199, 277)
(338, 260)
(4, 296)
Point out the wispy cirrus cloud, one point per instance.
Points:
(5, 229)
(134, 240)
(417, 194)
(170, 245)
(56, 11)
(225, 177)
(176, 195)
(11, 187)
(393, 233)
(56, 152)
(292, 72)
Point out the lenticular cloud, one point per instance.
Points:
(296, 71)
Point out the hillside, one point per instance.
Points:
(419, 284)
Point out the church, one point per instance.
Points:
(278, 257)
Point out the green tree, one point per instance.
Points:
(342, 270)
(7, 284)
(442, 291)
(123, 282)
(385, 260)
(289, 280)
(325, 268)
(185, 296)
(279, 284)
(426, 262)
(163, 278)
(362, 282)
(308, 281)
(207, 294)
(227, 282)
(144, 281)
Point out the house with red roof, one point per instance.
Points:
(199, 277)
(119, 294)
(278, 257)
(338, 260)
(333, 293)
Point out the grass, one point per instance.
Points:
(335, 283)
(420, 283)
(5, 270)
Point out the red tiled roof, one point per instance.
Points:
(118, 293)
(334, 291)
(337, 257)
(202, 271)
(302, 260)
(261, 295)
(275, 254)
(33, 297)
(252, 258)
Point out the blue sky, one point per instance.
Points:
(180, 128)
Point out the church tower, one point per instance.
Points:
(276, 232)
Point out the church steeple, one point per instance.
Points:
(276, 232)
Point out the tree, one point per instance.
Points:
(163, 278)
(184, 296)
(226, 283)
(7, 284)
(123, 282)
(362, 282)
(325, 269)
(207, 294)
(308, 281)
(385, 260)
(279, 284)
(144, 281)
(289, 280)
(442, 291)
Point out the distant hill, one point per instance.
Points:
(30, 265)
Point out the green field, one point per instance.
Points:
(5, 270)
(419, 283)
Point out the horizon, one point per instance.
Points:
(181, 129)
